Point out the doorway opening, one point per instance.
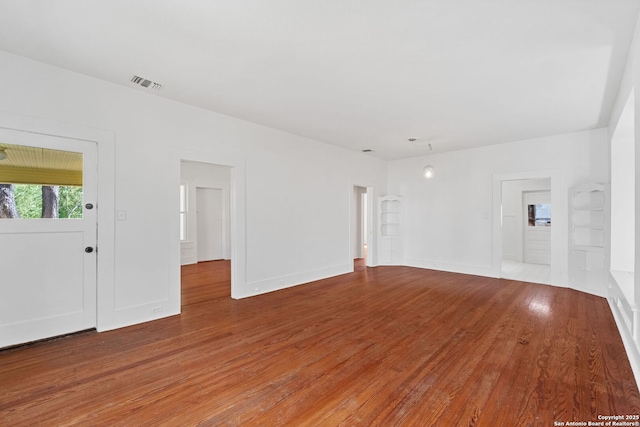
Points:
(205, 227)
(526, 230)
(361, 244)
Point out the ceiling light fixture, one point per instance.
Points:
(428, 170)
(3, 154)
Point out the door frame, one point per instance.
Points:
(558, 267)
(105, 200)
(237, 215)
(371, 259)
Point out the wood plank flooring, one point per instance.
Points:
(381, 346)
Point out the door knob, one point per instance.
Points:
(89, 206)
(88, 249)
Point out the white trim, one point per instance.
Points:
(306, 277)
(474, 270)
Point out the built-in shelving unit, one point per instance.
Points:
(587, 217)
(390, 230)
(587, 237)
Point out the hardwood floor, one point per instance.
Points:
(381, 346)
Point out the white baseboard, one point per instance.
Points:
(133, 315)
(277, 283)
(452, 267)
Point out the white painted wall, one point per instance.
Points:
(623, 190)
(624, 289)
(513, 214)
(293, 194)
(448, 221)
(194, 175)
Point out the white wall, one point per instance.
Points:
(624, 290)
(204, 175)
(449, 218)
(513, 214)
(293, 194)
(623, 190)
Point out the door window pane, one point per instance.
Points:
(40, 182)
(539, 215)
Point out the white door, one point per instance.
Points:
(48, 266)
(537, 227)
(209, 224)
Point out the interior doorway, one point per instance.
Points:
(359, 237)
(361, 245)
(205, 214)
(526, 230)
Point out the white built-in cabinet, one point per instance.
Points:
(389, 230)
(587, 237)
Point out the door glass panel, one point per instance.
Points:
(39, 183)
(539, 215)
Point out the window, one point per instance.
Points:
(183, 212)
(40, 182)
(539, 215)
(29, 199)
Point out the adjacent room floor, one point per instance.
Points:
(534, 273)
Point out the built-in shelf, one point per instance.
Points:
(390, 230)
(587, 216)
(587, 237)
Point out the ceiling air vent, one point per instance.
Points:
(141, 81)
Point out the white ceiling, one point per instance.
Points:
(353, 73)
